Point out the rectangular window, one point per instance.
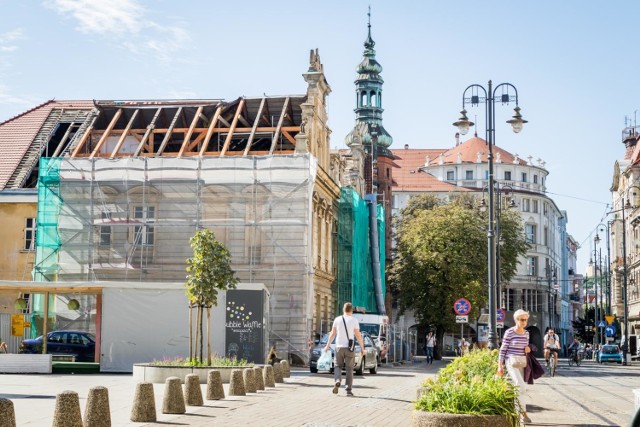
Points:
(105, 230)
(29, 234)
(535, 206)
(524, 177)
(535, 179)
(545, 209)
(530, 233)
(469, 175)
(144, 234)
(450, 176)
(526, 205)
(546, 236)
(532, 266)
(507, 175)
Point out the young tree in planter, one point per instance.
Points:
(209, 271)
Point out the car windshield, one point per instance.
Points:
(610, 349)
(324, 339)
(370, 328)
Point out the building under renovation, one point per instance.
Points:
(123, 185)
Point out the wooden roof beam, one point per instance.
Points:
(212, 125)
(63, 140)
(276, 135)
(187, 137)
(124, 134)
(148, 132)
(255, 126)
(167, 136)
(227, 142)
(85, 136)
(289, 137)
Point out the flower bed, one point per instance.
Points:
(147, 372)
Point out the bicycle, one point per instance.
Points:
(553, 362)
(574, 358)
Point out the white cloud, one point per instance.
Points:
(124, 21)
(8, 39)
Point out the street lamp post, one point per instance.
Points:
(463, 124)
(625, 298)
(594, 263)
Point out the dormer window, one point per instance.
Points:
(507, 175)
(451, 176)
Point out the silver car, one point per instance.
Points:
(369, 360)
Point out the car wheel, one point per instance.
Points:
(313, 370)
(360, 368)
(374, 370)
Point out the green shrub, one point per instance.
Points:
(196, 363)
(469, 385)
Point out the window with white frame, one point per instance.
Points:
(469, 175)
(535, 207)
(507, 175)
(526, 205)
(451, 176)
(29, 234)
(105, 230)
(524, 177)
(530, 231)
(143, 234)
(532, 266)
(535, 179)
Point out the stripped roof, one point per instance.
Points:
(18, 133)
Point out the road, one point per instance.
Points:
(591, 395)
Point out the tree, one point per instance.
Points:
(441, 255)
(583, 327)
(209, 271)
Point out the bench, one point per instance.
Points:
(25, 363)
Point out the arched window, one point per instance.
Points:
(363, 99)
(372, 99)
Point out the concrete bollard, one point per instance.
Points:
(7, 413)
(257, 376)
(236, 384)
(215, 391)
(286, 369)
(249, 380)
(67, 412)
(144, 404)
(267, 376)
(97, 413)
(192, 392)
(277, 373)
(173, 400)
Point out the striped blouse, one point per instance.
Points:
(513, 344)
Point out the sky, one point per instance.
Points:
(574, 64)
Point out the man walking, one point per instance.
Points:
(345, 328)
(431, 341)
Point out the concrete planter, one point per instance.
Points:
(437, 419)
(144, 372)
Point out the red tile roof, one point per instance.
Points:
(17, 134)
(407, 177)
(469, 149)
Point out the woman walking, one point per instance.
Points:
(515, 346)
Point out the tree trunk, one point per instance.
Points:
(209, 335)
(200, 324)
(190, 332)
(197, 337)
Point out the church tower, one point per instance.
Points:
(370, 136)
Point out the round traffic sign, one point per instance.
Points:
(500, 314)
(462, 306)
(610, 330)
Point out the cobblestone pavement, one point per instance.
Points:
(591, 395)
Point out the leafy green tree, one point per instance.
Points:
(209, 271)
(583, 327)
(441, 255)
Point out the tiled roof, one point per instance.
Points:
(467, 152)
(17, 134)
(407, 176)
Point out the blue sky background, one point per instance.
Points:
(574, 64)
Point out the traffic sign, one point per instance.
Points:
(601, 324)
(610, 319)
(462, 319)
(610, 330)
(499, 325)
(500, 315)
(462, 306)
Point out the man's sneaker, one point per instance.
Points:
(336, 387)
(525, 418)
(349, 393)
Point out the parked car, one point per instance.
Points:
(609, 353)
(369, 360)
(80, 344)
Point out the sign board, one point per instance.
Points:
(499, 325)
(462, 319)
(609, 319)
(462, 306)
(610, 330)
(601, 324)
(245, 329)
(500, 315)
(17, 325)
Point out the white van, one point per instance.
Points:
(377, 326)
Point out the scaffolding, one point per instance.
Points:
(130, 219)
(355, 278)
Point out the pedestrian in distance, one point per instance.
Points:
(345, 330)
(512, 356)
(431, 342)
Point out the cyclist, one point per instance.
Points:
(573, 350)
(551, 343)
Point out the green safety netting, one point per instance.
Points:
(355, 278)
(49, 204)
